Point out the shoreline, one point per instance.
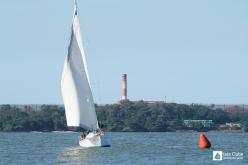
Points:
(176, 131)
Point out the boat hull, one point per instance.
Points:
(95, 140)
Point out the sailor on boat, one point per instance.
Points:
(98, 132)
(82, 135)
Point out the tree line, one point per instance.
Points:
(126, 116)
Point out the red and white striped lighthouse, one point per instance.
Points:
(124, 87)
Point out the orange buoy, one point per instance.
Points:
(204, 142)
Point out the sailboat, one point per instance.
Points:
(76, 91)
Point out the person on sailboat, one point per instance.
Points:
(101, 130)
(82, 135)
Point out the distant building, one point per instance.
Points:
(30, 107)
(148, 102)
(236, 108)
(233, 125)
(204, 123)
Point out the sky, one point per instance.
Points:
(187, 51)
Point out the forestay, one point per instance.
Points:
(75, 86)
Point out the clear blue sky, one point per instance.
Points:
(190, 51)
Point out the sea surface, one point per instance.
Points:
(61, 148)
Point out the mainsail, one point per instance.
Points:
(75, 86)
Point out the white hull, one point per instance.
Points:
(95, 140)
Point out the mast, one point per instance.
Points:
(75, 7)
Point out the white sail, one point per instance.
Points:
(75, 86)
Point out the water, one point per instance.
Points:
(61, 148)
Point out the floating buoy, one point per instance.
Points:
(204, 142)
